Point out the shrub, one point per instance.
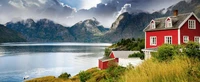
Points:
(192, 49)
(112, 64)
(84, 76)
(165, 52)
(64, 76)
(107, 52)
(141, 55)
(114, 73)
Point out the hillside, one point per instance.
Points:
(87, 31)
(8, 35)
(45, 30)
(130, 25)
(41, 31)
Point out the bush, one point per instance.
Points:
(141, 55)
(84, 76)
(107, 52)
(64, 76)
(165, 52)
(114, 73)
(192, 50)
(112, 64)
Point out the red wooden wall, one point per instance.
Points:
(184, 31)
(160, 37)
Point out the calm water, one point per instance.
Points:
(42, 59)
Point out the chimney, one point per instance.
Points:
(175, 12)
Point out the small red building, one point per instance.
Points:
(115, 56)
(177, 29)
(103, 63)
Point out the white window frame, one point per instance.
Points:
(186, 39)
(153, 43)
(168, 41)
(191, 24)
(197, 37)
(168, 24)
(153, 25)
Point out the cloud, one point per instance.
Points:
(125, 8)
(87, 4)
(37, 9)
(63, 12)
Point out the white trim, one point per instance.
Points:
(188, 18)
(153, 25)
(146, 28)
(149, 50)
(167, 23)
(155, 41)
(149, 25)
(145, 40)
(188, 39)
(179, 37)
(198, 38)
(190, 21)
(167, 42)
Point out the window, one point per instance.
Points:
(168, 22)
(153, 25)
(153, 40)
(168, 39)
(197, 39)
(185, 39)
(191, 24)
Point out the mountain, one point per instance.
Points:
(88, 30)
(127, 25)
(8, 35)
(130, 25)
(186, 7)
(45, 30)
(42, 30)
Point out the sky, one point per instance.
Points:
(81, 4)
(69, 12)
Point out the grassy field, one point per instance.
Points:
(181, 69)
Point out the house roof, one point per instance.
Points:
(177, 22)
(150, 49)
(123, 54)
(106, 59)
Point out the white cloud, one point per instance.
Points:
(124, 9)
(17, 4)
(87, 4)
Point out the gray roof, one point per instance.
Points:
(176, 22)
(150, 49)
(106, 59)
(123, 54)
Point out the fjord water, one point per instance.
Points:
(43, 59)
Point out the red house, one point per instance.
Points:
(103, 63)
(115, 56)
(177, 29)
